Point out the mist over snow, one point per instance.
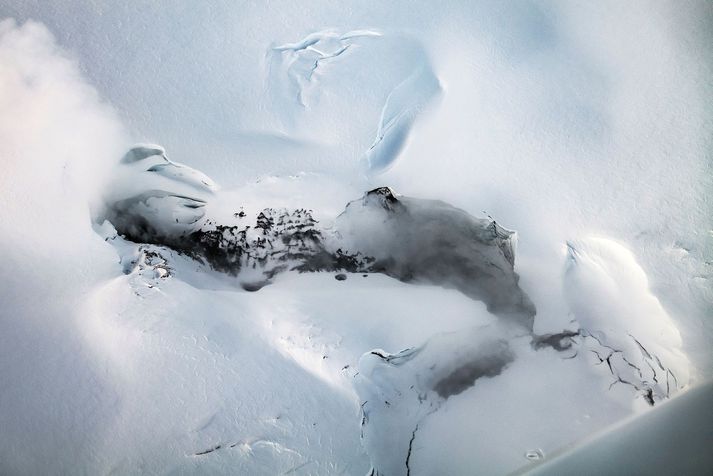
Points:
(58, 143)
(348, 238)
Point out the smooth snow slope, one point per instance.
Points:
(561, 121)
(638, 447)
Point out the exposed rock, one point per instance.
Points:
(281, 240)
(154, 200)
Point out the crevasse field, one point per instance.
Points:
(326, 237)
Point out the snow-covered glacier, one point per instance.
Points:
(333, 238)
(613, 359)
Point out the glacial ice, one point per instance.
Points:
(621, 359)
(122, 354)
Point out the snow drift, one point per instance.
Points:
(152, 342)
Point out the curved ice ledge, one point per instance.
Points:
(155, 200)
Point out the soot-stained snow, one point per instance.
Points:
(406, 238)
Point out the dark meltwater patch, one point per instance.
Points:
(487, 364)
(254, 286)
(417, 240)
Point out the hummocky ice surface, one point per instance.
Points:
(425, 400)
(194, 344)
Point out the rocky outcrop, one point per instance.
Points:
(278, 240)
(154, 200)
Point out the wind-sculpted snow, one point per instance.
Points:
(160, 348)
(625, 352)
(301, 61)
(404, 103)
(398, 391)
(489, 401)
(620, 354)
(623, 325)
(154, 199)
(484, 400)
(320, 67)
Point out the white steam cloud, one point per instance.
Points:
(56, 140)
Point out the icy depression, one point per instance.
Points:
(412, 241)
